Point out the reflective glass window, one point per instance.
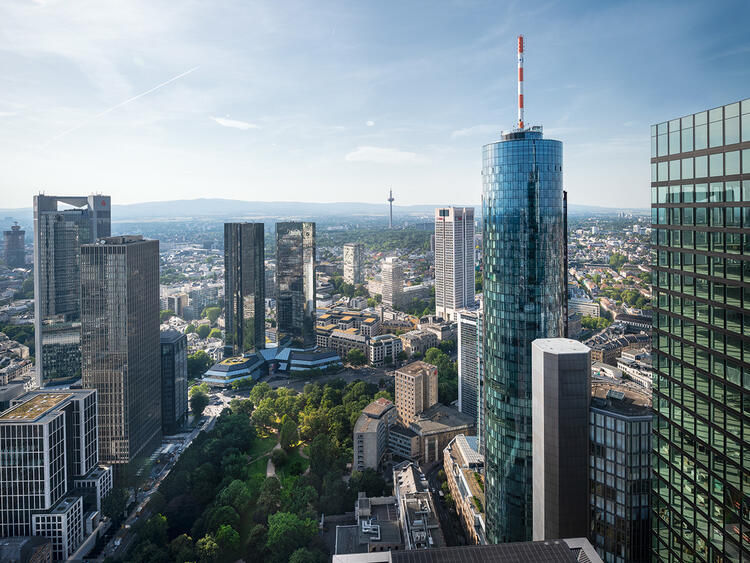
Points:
(717, 192)
(701, 137)
(716, 134)
(701, 193)
(732, 131)
(746, 161)
(701, 166)
(716, 164)
(687, 168)
(732, 191)
(687, 193)
(732, 162)
(687, 139)
(663, 175)
(674, 170)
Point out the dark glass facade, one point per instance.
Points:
(700, 190)
(174, 386)
(58, 236)
(120, 343)
(15, 253)
(524, 299)
(295, 282)
(244, 288)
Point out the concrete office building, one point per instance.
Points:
(244, 288)
(48, 442)
(524, 299)
(371, 434)
(620, 472)
(174, 386)
(384, 349)
(393, 281)
(470, 363)
(295, 283)
(420, 526)
(700, 243)
(416, 390)
(353, 263)
(454, 260)
(561, 384)
(120, 343)
(15, 251)
(58, 236)
(585, 307)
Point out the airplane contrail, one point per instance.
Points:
(113, 108)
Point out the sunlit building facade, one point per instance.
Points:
(295, 282)
(700, 193)
(524, 299)
(61, 226)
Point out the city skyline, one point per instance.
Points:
(200, 109)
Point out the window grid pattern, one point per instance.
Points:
(700, 192)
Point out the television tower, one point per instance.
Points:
(520, 81)
(390, 201)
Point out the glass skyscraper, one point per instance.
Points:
(295, 283)
(244, 292)
(700, 193)
(58, 236)
(121, 354)
(524, 299)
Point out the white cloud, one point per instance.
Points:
(235, 123)
(383, 155)
(484, 129)
(369, 123)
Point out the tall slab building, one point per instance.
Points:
(700, 214)
(524, 299)
(61, 225)
(244, 288)
(392, 276)
(454, 260)
(470, 363)
(295, 282)
(15, 251)
(120, 343)
(353, 263)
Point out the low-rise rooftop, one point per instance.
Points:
(417, 368)
(37, 406)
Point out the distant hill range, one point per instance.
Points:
(215, 207)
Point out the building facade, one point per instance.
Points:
(524, 299)
(384, 349)
(454, 260)
(354, 253)
(120, 343)
(58, 236)
(371, 434)
(470, 363)
(295, 282)
(244, 288)
(464, 472)
(15, 251)
(700, 245)
(174, 386)
(416, 390)
(393, 282)
(620, 472)
(560, 391)
(48, 442)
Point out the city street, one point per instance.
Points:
(448, 521)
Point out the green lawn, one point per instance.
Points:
(262, 446)
(259, 466)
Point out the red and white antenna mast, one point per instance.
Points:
(520, 81)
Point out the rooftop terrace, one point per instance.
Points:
(35, 407)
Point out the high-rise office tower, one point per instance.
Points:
(524, 292)
(470, 362)
(454, 260)
(244, 288)
(392, 276)
(48, 444)
(58, 236)
(15, 253)
(174, 388)
(620, 472)
(120, 343)
(560, 392)
(700, 192)
(353, 257)
(295, 282)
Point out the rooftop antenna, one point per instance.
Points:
(390, 201)
(520, 81)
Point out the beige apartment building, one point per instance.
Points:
(416, 390)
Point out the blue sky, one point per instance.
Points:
(338, 101)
